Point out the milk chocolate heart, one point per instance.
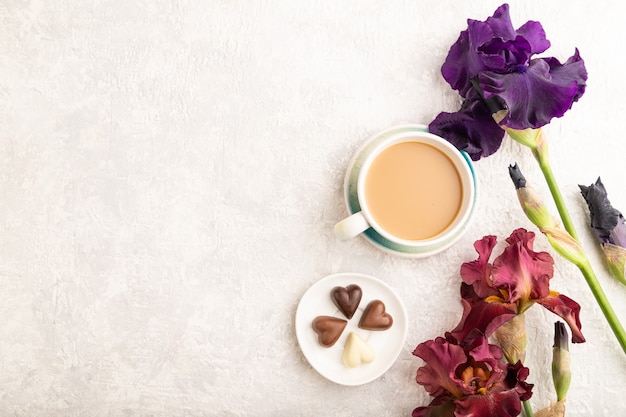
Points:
(347, 299)
(356, 352)
(375, 318)
(328, 329)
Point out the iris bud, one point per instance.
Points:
(609, 226)
(561, 363)
(530, 201)
(538, 214)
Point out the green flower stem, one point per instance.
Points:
(540, 152)
(527, 409)
(603, 302)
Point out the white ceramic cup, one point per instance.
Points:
(362, 220)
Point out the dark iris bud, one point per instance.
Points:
(604, 217)
(608, 224)
(517, 177)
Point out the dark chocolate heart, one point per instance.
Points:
(375, 318)
(347, 299)
(328, 329)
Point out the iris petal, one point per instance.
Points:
(479, 316)
(517, 378)
(510, 54)
(471, 129)
(505, 47)
(573, 69)
(464, 61)
(536, 94)
(535, 35)
(568, 310)
(442, 359)
(500, 23)
(477, 273)
(482, 352)
(500, 404)
(524, 273)
(439, 407)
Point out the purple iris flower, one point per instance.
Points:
(491, 62)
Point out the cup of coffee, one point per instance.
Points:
(409, 192)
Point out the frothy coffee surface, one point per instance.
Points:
(413, 190)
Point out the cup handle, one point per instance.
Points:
(351, 226)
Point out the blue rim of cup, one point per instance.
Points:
(352, 200)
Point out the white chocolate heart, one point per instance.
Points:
(356, 351)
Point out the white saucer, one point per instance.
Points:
(387, 344)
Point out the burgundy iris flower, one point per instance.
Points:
(494, 63)
(494, 293)
(470, 380)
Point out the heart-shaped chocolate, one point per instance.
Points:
(356, 351)
(375, 318)
(347, 299)
(328, 329)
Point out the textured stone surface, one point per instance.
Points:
(170, 173)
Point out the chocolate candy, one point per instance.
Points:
(356, 352)
(328, 329)
(375, 318)
(347, 299)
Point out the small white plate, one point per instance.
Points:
(387, 344)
